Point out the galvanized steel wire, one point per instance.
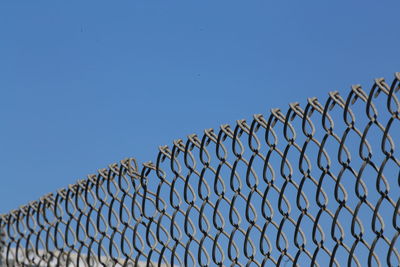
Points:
(318, 185)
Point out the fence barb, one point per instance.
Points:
(318, 185)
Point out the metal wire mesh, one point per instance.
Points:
(310, 187)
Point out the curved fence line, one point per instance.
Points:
(318, 185)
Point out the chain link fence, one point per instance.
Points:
(318, 185)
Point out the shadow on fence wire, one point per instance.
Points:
(318, 185)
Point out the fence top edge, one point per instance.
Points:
(131, 166)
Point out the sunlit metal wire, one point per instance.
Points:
(318, 185)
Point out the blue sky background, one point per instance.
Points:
(88, 83)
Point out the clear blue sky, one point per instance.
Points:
(88, 83)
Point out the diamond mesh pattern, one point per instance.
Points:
(318, 185)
